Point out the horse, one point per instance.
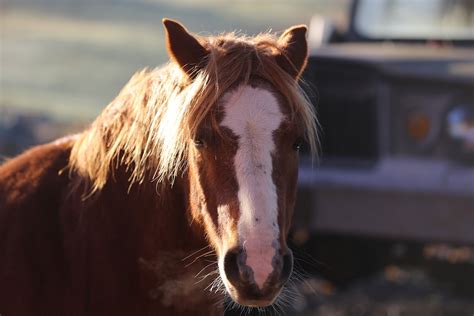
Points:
(185, 181)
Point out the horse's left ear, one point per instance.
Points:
(294, 50)
(183, 47)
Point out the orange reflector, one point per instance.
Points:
(418, 126)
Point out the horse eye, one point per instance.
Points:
(298, 143)
(199, 143)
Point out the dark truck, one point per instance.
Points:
(394, 93)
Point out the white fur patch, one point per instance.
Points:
(225, 226)
(253, 114)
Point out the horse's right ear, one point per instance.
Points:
(182, 47)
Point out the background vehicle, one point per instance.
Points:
(394, 184)
(395, 100)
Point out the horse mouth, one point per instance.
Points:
(251, 296)
(256, 302)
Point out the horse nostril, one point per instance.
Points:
(230, 266)
(234, 266)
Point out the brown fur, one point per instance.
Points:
(98, 224)
(62, 256)
(293, 60)
(184, 49)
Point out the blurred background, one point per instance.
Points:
(68, 58)
(64, 60)
(385, 218)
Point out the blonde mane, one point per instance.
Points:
(148, 127)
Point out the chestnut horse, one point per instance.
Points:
(200, 154)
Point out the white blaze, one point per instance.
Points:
(253, 114)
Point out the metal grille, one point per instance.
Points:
(345, 100)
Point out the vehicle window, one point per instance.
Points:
(415, 19)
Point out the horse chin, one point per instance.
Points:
(244, 299)
(256, 303)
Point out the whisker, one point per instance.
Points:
(313, 262)
(207, 275)
(211, 252)
(304, 280)
(207, 266)
(195, 252)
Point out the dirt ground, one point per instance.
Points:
(393, 292)
(387, 279)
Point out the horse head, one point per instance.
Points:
(243, 153)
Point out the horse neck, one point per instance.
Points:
(138, 236)
(154, 217)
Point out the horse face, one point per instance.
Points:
(242, 179)
(244, 187)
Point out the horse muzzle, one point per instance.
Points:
(243, 287)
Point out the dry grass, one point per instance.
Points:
(70, 58)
